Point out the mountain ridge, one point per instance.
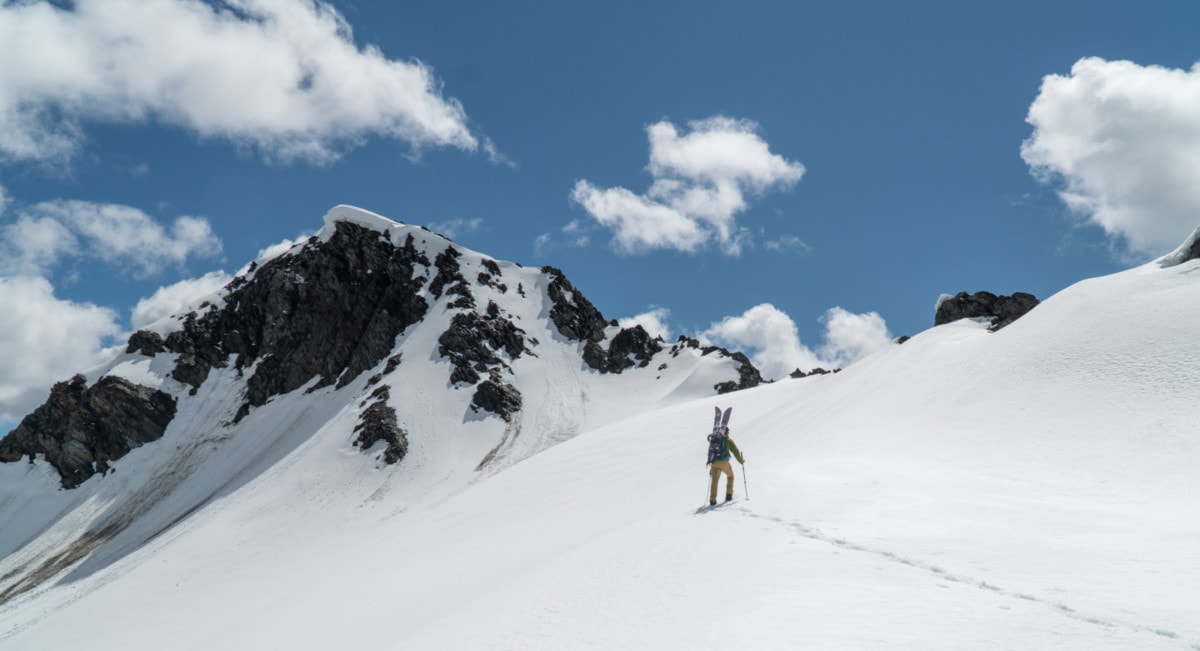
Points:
(403, 342)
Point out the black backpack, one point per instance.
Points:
(716, 447)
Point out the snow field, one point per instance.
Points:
(1031, 488)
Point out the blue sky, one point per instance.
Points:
(800, 180)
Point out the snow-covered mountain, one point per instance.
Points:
(381, 341)
(1032, 487)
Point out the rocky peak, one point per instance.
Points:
(329, 311)
(321, 315)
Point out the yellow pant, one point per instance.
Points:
(715, 471)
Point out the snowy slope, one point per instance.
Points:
(207, 455)
(1030, 488)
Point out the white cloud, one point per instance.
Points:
(542, 244)
(788, 243)
(172, 299)
(770, 338)
(44, 340)
(575, 235)
(654, 321)
(279, 248)
(283, 76)
(701, 179)
(454, 227)
(1122, 143)
(33, 244)
(122, 236)
(850, 337)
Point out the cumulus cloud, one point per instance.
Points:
(282, 76)
(49, 232)
(701, 180)
(1122, 144)
(654, 321)
(45, 340)
(172, 299)
(772, 341)
(850, 337)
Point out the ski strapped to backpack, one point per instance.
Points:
(719, 436)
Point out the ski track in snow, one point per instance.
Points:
(937, 571)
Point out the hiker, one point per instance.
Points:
(720, 446)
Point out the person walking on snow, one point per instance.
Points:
(720, 446)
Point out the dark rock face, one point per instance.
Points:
(472, 341)
(378, 423)
(331, 311)
(80, 428)
(684, 341)
(497, 397)
(145, 342)
(578, 320)
(748, 376)
(449, 279)
(1002, 310)
(633, 343)
(574, 316)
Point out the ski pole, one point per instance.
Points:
(745, 484)
(706, 487)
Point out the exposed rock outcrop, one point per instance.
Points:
(472, 341)
(378, 423)
(574, 316)
(748, 376)
(331, 312)
(630, 347)
(146, 342)
(1002, 310)
(80, 429)
(816, 371)
(497, 397)
(449, 279)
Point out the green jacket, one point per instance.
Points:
(730, 446)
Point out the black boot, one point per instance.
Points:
(712, 502)
(728, 497)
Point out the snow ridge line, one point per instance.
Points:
(813, 533)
